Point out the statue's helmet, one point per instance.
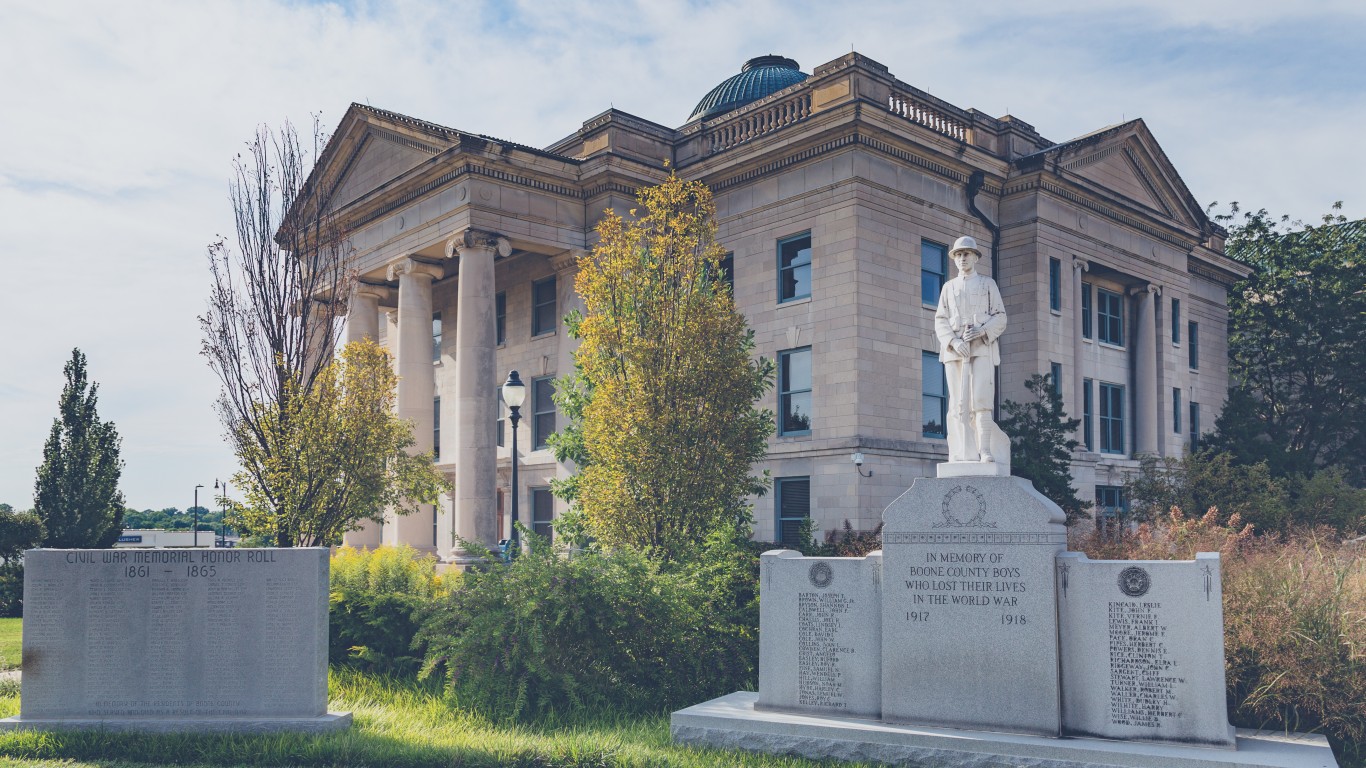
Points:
(964, 243)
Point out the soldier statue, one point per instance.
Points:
(970, 317)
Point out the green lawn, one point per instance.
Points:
(11, 632)
(397, 723)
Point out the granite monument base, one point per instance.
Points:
(732, 722)
(332, 721)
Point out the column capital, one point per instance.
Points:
(378, 292)
(563, 262)
(1150, 288)
(1081, 264)
(477, 238)
(411, 266)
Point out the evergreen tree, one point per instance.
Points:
(1040, 449)
(663, 424)
(77, 493)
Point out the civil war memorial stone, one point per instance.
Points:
(176, 640)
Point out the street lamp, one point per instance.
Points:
(223, 523)
(514, 392)
(196, 514)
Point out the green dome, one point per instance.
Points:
(758, 78)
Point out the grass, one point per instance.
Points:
(11, 632)
(397, 723)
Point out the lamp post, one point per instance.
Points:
(196, 514)
(222, 523)
(514, 392)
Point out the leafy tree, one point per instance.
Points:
(1208, 479)
(274, 309)
(336, 457)
(76, 494)
(18, 531)
(667, 384)
(1041, 446)
(1297, 364)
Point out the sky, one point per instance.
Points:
(119, 123)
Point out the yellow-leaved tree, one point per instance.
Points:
(333, 457)
(662, 411)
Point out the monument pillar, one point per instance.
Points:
(476, 382)
(566, 266)
(416, 384)
(1078, 377)
(1145, 372)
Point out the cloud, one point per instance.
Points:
(123, 119)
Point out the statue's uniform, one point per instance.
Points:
(964, 301)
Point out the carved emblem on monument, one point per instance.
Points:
(1134, 581)
(820, 575)
(974, 508)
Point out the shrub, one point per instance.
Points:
(848, 542)
(376, 596)
(1294, 620)
(544, 636)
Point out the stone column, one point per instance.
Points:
(1078, 377)
(476, 403)
(416, 382)
(317, 331)
(362, 322)
(1145, 371)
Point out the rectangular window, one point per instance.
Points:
(1193, 344)
(1176, 321)
(500, 315)
(1195, 427)
(1111, 502)
(436, 429)
(792, 499)
(542, 411)
(1111, 418)
(794, 392)
(436, 337)
(728, 271)
(1110, 316)
(1176, 410)
(543, 306)
(1055, 373)
(934, 396)
(502, 415)
(1086, 313)
(1087, 410)
(934, 270)
(542, 512)
(794, 268)
(1055, 285)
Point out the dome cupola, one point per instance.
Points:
(758, 78)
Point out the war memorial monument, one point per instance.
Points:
(974, 638)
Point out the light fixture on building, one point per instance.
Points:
(857, 458)
(514, 392)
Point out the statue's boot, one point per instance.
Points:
(984, 425)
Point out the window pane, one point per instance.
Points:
(436, 428)
(1054, 284)
(934, 265)
(1086, 312)
(794, 268)
(1087, 412)
(793, 507)
(728, 271)
(794, 391)
(542, 513)
(1176, 321)
(543, 306)
(436, 337)
(543, 411)
(932, 375)
(797, 412)
(1176, 411)
(1193, 344)
(933, 409)
(500, 304)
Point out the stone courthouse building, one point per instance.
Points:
(837, 195)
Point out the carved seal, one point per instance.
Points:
(820, 575)
(1134, 581)
(976, 512)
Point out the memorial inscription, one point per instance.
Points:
(820, 646)
(146, 629)
(968, 615)
(1143, 650)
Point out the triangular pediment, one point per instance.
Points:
(1126, 161)
(371, 147)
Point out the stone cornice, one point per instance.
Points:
(1039, 183)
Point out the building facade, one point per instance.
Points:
(837, 196)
